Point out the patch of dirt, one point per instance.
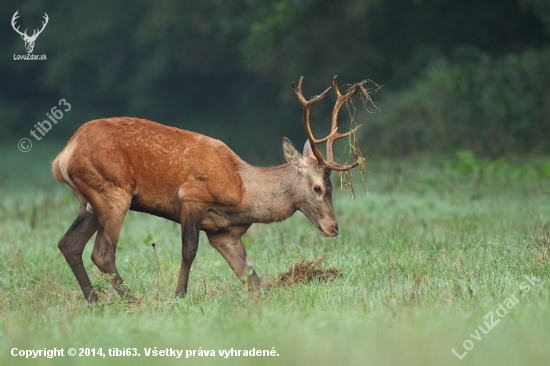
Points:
(303, 272)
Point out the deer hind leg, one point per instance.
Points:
(110, 210)
(72, 245)
(231, 247)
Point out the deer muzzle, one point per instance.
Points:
(329, 230)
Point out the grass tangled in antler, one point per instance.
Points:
(346, 177)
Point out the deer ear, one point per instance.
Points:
(307, 149)
(292, 155)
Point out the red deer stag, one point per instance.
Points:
(114, 165)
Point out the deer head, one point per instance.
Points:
(29, 40)
(313, 169)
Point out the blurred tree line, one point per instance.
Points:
(464, 74)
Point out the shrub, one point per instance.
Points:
(489, 106)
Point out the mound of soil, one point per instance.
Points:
(303, 272)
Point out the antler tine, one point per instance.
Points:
(13, 20)
(306, 105)
(341, 99)
(334, 135)
(45, 16)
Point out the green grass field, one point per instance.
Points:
(426, 256)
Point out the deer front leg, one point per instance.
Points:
(190, 229)
(228, 242)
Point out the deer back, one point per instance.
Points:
(160, 166)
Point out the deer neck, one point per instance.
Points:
(269, 193)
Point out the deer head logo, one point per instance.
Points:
(29, 40)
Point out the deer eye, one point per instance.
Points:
(317, 189)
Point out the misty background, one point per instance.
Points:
(457, 74)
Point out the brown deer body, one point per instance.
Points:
(118, 164)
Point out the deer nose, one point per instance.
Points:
(335, 230)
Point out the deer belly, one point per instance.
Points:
(158, 208)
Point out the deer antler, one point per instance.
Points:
(334, 135)
(306, 105)
(45, 16)
(24, 34)
(13, 20)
